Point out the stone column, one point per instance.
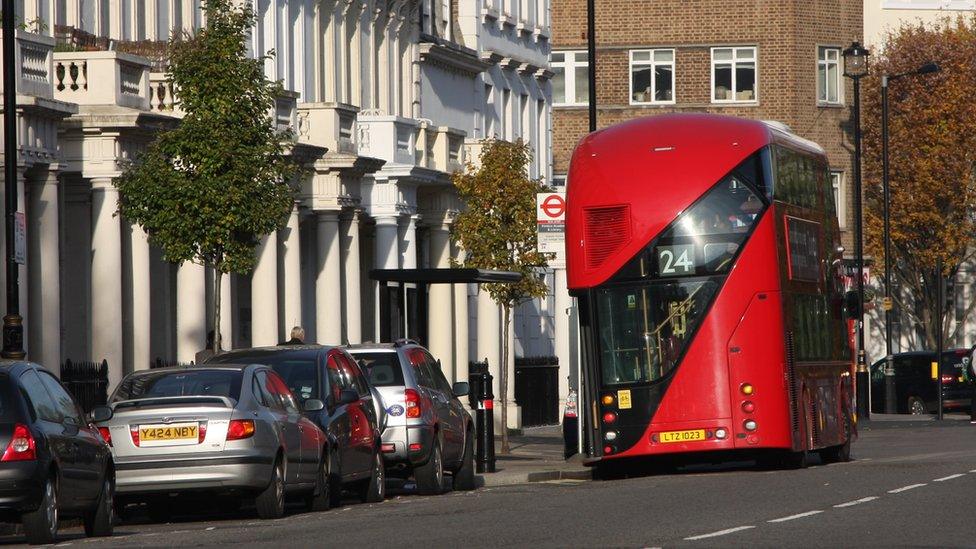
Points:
(328, 298)
(387, 257)
(352, 294)
(264, 294)
(139, 302)
(407, 244)
(461, 334)
(44, 284)
(191, 310)
(440, 329)
(563, 341)
(292, 283)
(106, 272)
(489, 334)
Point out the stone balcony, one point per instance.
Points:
(392, 139)
(329, 125)
(440, 148)
(108, 78)
(33, 65)
(162, 98)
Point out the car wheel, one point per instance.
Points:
(271, 502)
(98, 521)
(374, 489)
(916, 407)
(320, 498)
(430, 476)
(41, 526)
(464, 476)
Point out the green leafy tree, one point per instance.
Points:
(208, 190)
(932, 159)
(497, 230)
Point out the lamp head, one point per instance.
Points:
(856, 60)
(928, 68)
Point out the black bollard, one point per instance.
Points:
(480, 381)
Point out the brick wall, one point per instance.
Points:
(785, 32)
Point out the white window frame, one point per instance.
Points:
(840, 196)
(559, 181)
(824, 63)
(571, 71)
(735, 60)
(652, 64)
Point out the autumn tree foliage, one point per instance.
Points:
(497, 231)
(932, 164)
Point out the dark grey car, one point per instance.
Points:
(428, 431)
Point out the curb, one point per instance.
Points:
(490, 480)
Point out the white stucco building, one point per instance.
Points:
(387, 99)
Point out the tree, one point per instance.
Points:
(208, 190)
(497, 230)
(932, 159)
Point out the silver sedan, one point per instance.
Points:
(224, 429)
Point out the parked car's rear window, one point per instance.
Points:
(301, 376)
(383, 369)
(195, 382)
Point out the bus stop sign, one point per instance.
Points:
(551, 223)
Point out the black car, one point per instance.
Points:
(915, 389)
(54, 462)
(351, 417)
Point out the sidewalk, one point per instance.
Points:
(537, 456)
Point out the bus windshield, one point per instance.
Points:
(650, 310)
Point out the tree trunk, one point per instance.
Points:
(503, 377)
(216, 327)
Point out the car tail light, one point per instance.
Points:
(202, 433)
(240, 428)
(21, 446)
(388, 448)
(134, 432)
(412, 399)
(948, 378)
(415, 447)
(106, 435)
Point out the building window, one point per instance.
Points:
(840, 197)
(559, 181)
(506, 129)
(734, 75)
(570, 84)
(489, 116)
(828, 75)
(651, 76)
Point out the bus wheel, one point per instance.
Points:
(794, 460)
(842, 452)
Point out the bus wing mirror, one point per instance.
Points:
(852, 304)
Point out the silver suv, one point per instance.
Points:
(428, 431)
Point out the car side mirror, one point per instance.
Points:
(313, 405)
(461, 388)
(101, 413)
(348, 396)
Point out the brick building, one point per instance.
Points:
(768, 59)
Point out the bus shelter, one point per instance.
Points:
(403, 298)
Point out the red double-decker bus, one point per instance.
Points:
(704, 252)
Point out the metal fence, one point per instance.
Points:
(87, 382)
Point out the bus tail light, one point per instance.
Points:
(948, 378)
(607, 400)
(608, 449)
(750, 425)
(609, 417)
(748, 406)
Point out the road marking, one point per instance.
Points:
(797, 516)
(904, 488)
(719, 533)
(950, 477)
(856, 502)
(973, 471)
(211, 528)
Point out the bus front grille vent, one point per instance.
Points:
(791, 381)
(607, 231)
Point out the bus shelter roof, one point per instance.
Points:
(443, 276)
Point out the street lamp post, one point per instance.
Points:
(13, 330)
(591, 60)
(855, 68)
(890, 397)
